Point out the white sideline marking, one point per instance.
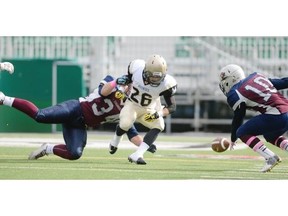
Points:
(36, 142)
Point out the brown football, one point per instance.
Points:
(220, 144)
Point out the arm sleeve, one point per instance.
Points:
(170, 99)
(280, 83)
(238, 119)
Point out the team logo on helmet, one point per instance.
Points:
(222, 76)
(229, 76)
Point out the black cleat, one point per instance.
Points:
(112, 149)
(152, 148)
(139, 161)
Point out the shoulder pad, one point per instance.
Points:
(136, 65)
(170, 81)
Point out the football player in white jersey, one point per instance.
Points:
(149, 81)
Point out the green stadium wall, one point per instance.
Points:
(32, 80)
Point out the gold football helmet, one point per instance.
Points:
(155, 70)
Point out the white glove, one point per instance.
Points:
(7, 66)
(232, 144)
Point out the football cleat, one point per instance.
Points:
(40, 152)
(2, 97)
(7, 66)
(152, 148)
(270, 163)
(133, 158)
(112, 149)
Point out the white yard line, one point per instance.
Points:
(36, 142)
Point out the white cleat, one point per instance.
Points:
(134, 158)
(270, 163)
(40, 152)
(7, 66)
(2, 97)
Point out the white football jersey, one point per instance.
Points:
(143, 94)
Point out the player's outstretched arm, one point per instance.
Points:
(280, 83)
(108, 88)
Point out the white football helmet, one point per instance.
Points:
(229, 76)
(155, 70)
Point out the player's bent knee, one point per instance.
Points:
(76, 154)
(160, 128)
(40, 118)
(125, 125)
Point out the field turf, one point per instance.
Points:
(175, 181)
(165, 164)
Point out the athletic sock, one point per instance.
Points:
(142, 149)
(265, 152)
(8, 101)
(282, 143)
(49, 148)
(116, 140)
(258, 146)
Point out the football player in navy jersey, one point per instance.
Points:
(260, 94)
(149, 81)
(103, 105)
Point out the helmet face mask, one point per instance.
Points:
(229, 76)
(154, 78)
(155, 70)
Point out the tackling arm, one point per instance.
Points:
(106, 89)
(108, 85)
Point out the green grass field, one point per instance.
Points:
(191, 180)
(165, 164)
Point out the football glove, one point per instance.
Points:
(151, 117)
(120, 95)
(7, 66)
(123, 80)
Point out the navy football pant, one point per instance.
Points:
(270, 126)
(68, 113)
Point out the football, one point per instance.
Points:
(220, 144)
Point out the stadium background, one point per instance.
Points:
(49, 70)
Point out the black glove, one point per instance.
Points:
(151, 117)
(123, 80)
